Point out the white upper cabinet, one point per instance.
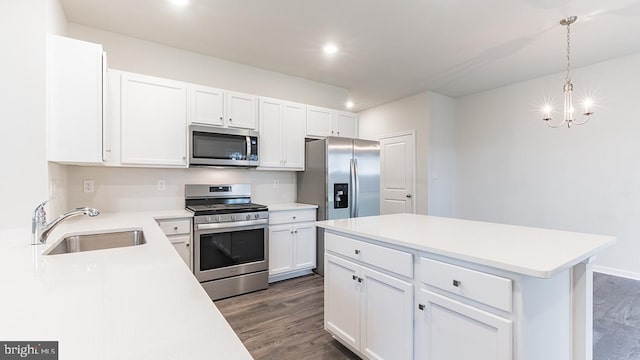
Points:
(75, 101)
(282, 129)
(240, 110)
(217, 107)
(153, 121)
(346, 124)
(319, 121)
(323, 122)
(206, 105)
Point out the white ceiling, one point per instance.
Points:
(389, 49)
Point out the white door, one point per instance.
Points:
(154, 121)
(346, 124)
(397, 173)
(305, 246)
(450, 330)
(206, 105)
(319, 121)
(240, 110)
(342, 299)
(271, 134)
(387, 316)
(280, 249)
(294, 123)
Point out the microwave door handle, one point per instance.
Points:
(248, 147)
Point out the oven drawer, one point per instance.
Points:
(291, 216)
(175, 227)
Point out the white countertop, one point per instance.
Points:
(138, 302)
(291, 206)
(529, 251)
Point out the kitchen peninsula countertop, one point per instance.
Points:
(137, 302)
(536, 252)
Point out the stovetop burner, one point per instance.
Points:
(216, 209)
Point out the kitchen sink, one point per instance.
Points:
(97, 241)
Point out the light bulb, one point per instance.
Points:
(349, 104)
(330, 49)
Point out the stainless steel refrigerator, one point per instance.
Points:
(342, 177)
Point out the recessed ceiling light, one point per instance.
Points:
(330, 49)
(349, 104)
(179, 2)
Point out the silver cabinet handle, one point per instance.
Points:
(294, 218)
(357, 251)
(354, 277)
(457, 283)
(360, 279)
(175, 228)
(296, 231)
(421, 306)
(187, 244)
(220, 117)
(230, 119)
(408, 196)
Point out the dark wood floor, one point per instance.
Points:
(285, 321)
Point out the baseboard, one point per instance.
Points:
(616, 272)
(290, 275)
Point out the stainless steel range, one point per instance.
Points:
(230, 239)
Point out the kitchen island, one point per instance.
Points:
(136, 302)
(411, 286)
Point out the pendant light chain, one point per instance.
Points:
(568, 78)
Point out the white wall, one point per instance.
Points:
(130, 54)
(431, 116)
(135, 189)
(511, 168)
(441, 152)
(22, 110)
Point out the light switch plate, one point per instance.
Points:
(88, 186)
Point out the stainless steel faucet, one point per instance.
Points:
(40, 229)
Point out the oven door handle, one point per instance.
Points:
(231, 225)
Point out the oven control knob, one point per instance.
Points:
(248, 216)
(256, 215)
(218, 218)
(208, 218)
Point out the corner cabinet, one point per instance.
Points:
(292, 243)
(178, 232)
(323, 122)
(75, 93)
(153, 121)
(369, 298)
(217, 107)
(282, 131)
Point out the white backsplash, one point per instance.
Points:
(136, 189)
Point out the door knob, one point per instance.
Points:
(408, 196)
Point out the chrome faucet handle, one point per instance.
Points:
(39, 214)
(38, 222)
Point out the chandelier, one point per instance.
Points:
(569, 111)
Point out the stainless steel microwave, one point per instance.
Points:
(214, 146)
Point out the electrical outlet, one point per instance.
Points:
(162, 185)
(88, 186)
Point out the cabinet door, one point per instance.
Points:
(319, 121)
(305, 246)
(153, 121)
(342, 299)
(182, 244)
(205, 105)
(346, 124)
(450, 330)
(387, 316)
(271, 133)
(240, 110)
(75, 91)
(294, 127)
(280, 249)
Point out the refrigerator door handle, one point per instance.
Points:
(352, 181)
(356, 190)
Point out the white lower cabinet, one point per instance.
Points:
(367, 310)
(292, 243)
(178, 232)
(447, 329)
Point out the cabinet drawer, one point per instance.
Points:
(175, 227)
(396, 261)
(488, 289)
(291, 216)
